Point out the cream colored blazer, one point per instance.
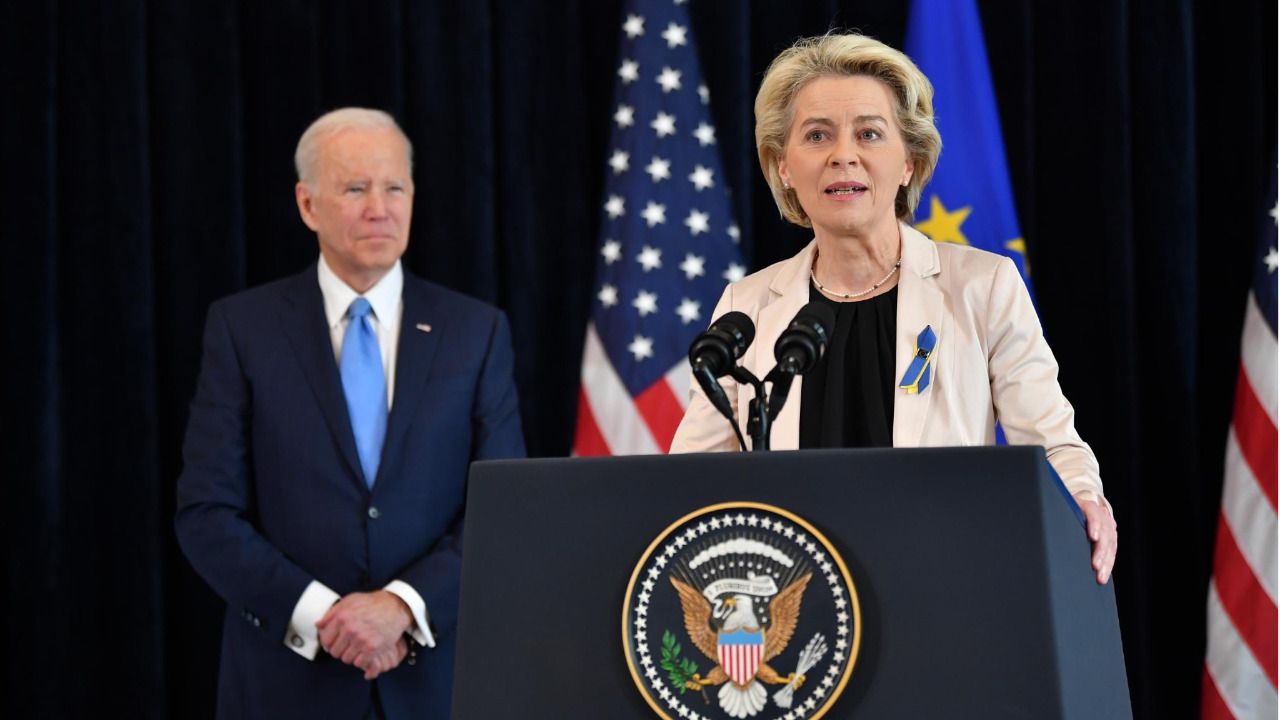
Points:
(991, 362)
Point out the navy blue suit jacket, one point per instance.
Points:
(272, 496)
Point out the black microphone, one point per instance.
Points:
(719, 346)
(802, 344)
(715, 352)
(798, 349)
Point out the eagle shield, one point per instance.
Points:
(740, 653)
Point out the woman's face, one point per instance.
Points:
(845, 158)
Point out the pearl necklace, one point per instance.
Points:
(849, 296)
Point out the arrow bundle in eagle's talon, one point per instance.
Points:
(809, 657)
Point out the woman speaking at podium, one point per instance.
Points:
(933, 342)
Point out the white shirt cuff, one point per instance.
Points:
(421, 631)
(302, 636)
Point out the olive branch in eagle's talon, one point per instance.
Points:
(682, 672)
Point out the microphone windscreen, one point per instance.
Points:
(804, 341)
(738, 323)
(820, 314)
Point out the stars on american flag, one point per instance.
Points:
(692, 266)
(620, 161)
(612, 251)
(1272, 258)
(702, 178)
(674, 35)
(654, 213)
(641, 347)
(608, 295)
(697, 222)
(669, 79)
(615, 206)
(689, 311)
(734, 272)
(664, 124)
(658, 169)
(625, 116)
(629, 72)
(650, 258)
(633, 27)
(706, 135)
(645, 303)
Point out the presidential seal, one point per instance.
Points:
(741, 610)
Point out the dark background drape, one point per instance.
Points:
(147, 154)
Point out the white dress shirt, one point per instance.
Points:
(388, 305)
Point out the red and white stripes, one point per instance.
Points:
(1240, 659)
(611, 422)
(740, 661)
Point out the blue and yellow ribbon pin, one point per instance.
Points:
(916, 379)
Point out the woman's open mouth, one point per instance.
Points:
(845, 189)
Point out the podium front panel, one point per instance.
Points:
(971, 569)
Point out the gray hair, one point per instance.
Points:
(336, 121)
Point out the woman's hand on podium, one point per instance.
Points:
(1101, 527)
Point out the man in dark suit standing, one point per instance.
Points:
(336, 414)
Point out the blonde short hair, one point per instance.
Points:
(334, 122)
(847, 55)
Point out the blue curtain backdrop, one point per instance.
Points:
(147, 150)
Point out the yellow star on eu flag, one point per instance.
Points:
(1019, 246)
(944, 225)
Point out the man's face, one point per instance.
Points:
(359, 203)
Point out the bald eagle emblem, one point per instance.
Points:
(715, 605)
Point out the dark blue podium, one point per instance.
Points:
(970, 566)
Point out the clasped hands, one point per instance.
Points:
(367, 630)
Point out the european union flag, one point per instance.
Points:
(969, 200)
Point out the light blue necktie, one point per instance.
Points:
(365, 386)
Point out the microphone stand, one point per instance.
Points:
(759, 420)
(781, 379)
(764, 407)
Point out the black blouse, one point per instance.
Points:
(847, 398)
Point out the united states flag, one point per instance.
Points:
(1240, 660)
(668, 243)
